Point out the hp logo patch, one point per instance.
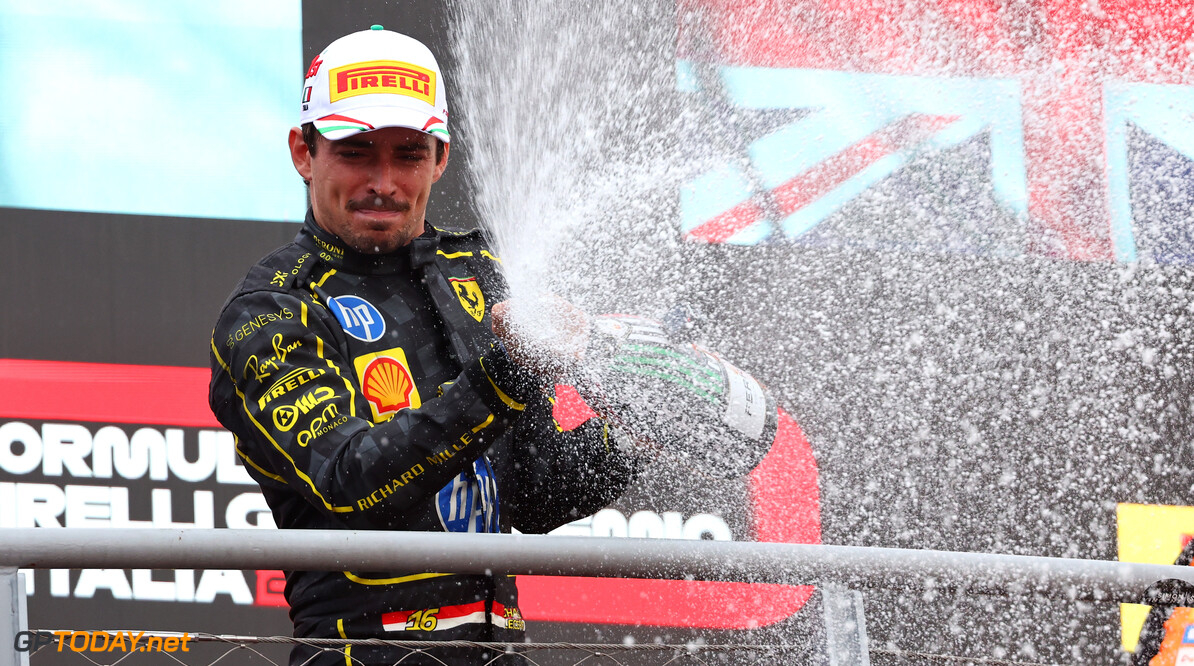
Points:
(469, 503)
(358, 317)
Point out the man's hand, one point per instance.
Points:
(676, 399)
(545, 336)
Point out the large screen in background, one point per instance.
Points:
(151, 108)
(869, 128)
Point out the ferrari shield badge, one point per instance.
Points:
(470, 296)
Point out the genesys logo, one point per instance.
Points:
(783, 492)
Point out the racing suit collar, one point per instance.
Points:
(418, 252)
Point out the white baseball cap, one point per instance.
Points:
(372, 79)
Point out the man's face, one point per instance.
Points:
(370, 189)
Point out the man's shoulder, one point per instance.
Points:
(455, 233)
(277, 271)
(465, 242)
(276, 274)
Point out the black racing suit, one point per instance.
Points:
(368, 392)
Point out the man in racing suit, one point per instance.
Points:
(359, 370)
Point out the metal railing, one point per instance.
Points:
(840, 571)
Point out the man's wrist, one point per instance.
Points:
(508, 382)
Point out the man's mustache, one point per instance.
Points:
(379, 202)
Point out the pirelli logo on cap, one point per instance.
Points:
(382, 77)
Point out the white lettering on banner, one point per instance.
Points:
(42, 504)
(145, 588)
(112, 442)
(112, 445)
(228, 467)
(37, 505)
(88, 506)
(60, 582)
(184, 585)
(26, 436)
(203, 467)
(223, 581)
(163, 510)
(607, 522)
(66, 447)
(649, 525)
(112, 580)
(119, 498)
(8, 497)
(153, 442)
(182, 588)
(212, 584)
(239, 510)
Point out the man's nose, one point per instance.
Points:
(384, 179)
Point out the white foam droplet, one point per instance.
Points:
(377, 201)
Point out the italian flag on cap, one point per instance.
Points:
(337, 123)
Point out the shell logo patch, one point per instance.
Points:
(387, 383)
(469, 293)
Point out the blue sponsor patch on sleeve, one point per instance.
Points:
(358, 317)
(469, 502)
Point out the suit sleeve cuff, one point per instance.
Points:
(501, 382)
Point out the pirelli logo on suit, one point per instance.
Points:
(287, 383)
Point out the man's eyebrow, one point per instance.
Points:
(351, 142)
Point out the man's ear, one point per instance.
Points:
(300, 155)
(443, 163)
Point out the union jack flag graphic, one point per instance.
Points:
(1079, 114)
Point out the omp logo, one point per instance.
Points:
(285, 416)
(386, 383)
(287, 383)
(382, 76)
(326, 422)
